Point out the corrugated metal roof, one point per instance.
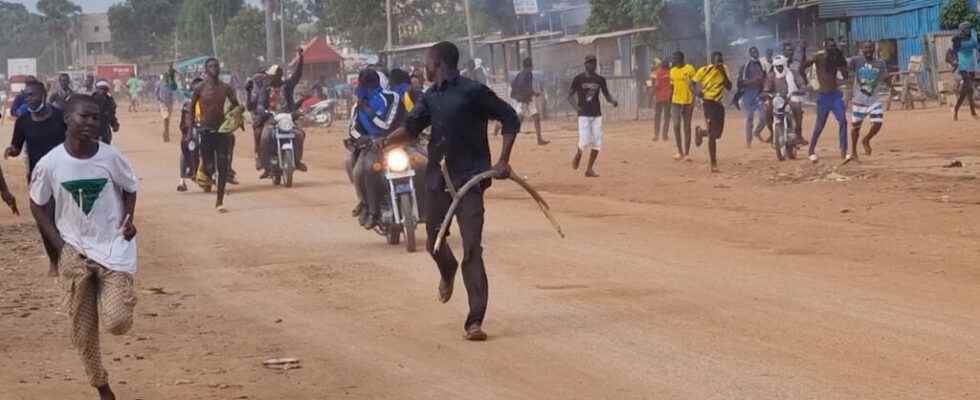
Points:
(907, 28)
(908, 24)
(853, 8)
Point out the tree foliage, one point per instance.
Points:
(58, 15)
(59, 10)
(243, 41)
(613, 15)
(956, 12)
(297, 14)
(193, 23)
(19, 28)
(363, 24)
(143, 28)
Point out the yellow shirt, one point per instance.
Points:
(712, 81)
(681, 77)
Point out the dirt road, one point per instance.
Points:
(767, 281)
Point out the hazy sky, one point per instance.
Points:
(91, 6)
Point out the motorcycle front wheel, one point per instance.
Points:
(779, 140)
(407, 207)
(287, 172)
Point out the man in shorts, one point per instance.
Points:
(714, 82)
(682, 102)
(522, 90)
(587, 87)
(965, 44)
(165, 95)
(869, 73)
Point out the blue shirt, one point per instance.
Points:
(967, 54)
(383, 106)
(19, 106)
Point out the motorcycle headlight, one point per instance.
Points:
(778, 102)
(397, 160)
(284, 122)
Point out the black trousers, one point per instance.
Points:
(469, 216)
(216, 153)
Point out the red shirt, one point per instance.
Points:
(663, 89)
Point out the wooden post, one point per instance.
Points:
(493, 64)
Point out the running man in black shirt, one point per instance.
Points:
(458, 109)
(42, 130)
(587, 86)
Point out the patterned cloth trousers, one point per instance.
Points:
(88, 286)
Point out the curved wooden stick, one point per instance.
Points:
(545, 208)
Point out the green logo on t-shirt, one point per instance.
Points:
(85, 192)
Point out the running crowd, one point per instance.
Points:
(83, 191)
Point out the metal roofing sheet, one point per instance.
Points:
(852, 8)
(910, 24)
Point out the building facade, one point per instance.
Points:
(92, 41)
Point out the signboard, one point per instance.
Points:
(111, 72)
(525, 7)
(21, 66)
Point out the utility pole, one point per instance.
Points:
(469, 27)
(214, 41)
(176, 40)
(388, 43)
(270, 44)
(707, 29)
(282, 30)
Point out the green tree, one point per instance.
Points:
(193, 23)
(243, 41)
(297, 14)
(18, 27)
(956, 12)
(361, 23)
(613, 15)
(143, 28)
(58, 15)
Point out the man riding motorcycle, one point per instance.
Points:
(378, 112)
(269, 93)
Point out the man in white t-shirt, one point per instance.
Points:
(94, 191)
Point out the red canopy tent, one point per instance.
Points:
(320, 59)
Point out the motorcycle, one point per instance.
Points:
(400, 214)
(322, 113)
(319, 111)
(784, 135)
(282, 163)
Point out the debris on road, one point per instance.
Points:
(833, 176)
(954, 164)
(282, 363)
(155, 290)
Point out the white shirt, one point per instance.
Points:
(89, 208)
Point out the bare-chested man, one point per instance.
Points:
(831, 69)
(213, 95)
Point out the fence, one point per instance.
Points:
(940, 74)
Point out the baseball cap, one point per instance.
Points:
(589, 57)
